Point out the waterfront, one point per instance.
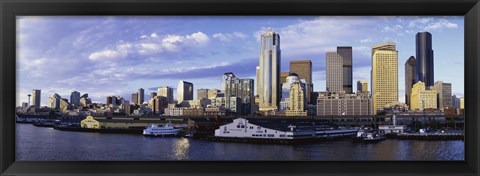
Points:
(37, 143)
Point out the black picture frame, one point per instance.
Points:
(11, 8)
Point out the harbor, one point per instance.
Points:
(261, 130)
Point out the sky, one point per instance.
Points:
(117, 55)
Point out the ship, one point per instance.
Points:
(167, 130)
(369, 136)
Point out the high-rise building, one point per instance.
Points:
(344, 104)
(109, 100)
(54, 101)
(257, 79)
(462, 103)
(184, 91)
(303, 68)
(296, 104)
(346, 53)
(36, 94)
(239, 89)
(384, 75)
(75, 98)
(334, 72)
(424, 56)
(286, 89)
(135, 98)
(410, 76)
(202, 94)
(362, 86)
(166, 91)
(269, 71)
(444, 95)
(455, 102)
(283, 77)
(213, 93)
(153, 95)
(422, 99)
(141, 96)
(127, 107)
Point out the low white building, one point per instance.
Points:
(242, 128)
(176, 111)
(392, 128)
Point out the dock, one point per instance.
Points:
(430, 136)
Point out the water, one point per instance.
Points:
(36, 143)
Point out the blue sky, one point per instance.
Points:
(107, 55)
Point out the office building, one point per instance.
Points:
(184, 91)
(362, 86)
(241, 89)
(75, 98)
(54, 101)
(153, 95)
(444, 95)
(332, 104)
(109, 100)
(286, 88)
(213, 93)
(346, 53)
(269, 71)
(303, 68)
(455, 102)
(141, 96)
(334, 72)
(424, 56)
(135, 98)
(36, 95)
(410, 76)
(421, 98)
(297, 102)
(384, 75)
(166, 91)
(462, 103)
(202, 94)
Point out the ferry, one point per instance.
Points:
(167, 130)
(369, 136)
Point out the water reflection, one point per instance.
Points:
(181, 148)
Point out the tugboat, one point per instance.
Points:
(369, 136)
(167, 130)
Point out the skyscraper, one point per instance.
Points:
(384, 75)
(36, 93)
(269, 71)
(135, 98)
(362, 86)
(424, 55)
(346, 53)
(303, 68)
(410, 74)
(166, 91)
(153, 95)
(141, 95)
(241, 90)
(184, 91)
(444, 95)
(334, 72)
(339, 70)
(202, 94)
(75, 98)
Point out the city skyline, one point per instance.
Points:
(97, 66)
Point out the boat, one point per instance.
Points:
(167, 130)
(369, 136)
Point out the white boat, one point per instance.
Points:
(369, 135)
(167, 130)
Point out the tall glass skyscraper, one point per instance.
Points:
(424, 52)
(269, 71)
(184, 91)
(346, 53)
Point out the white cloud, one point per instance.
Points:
(120, 52)
(198, 37)
(430, 24)
(226, 37)
(441, 24)
(154, 35)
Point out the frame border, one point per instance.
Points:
(9, 9)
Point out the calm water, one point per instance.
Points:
(36, 143)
